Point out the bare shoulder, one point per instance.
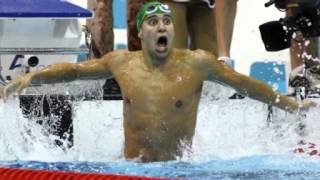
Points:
(120, 56)
(182, 52)
(204, 55)
(184, 55)
(117, 54)
(196, 57)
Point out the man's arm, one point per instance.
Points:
(255, 89)
(63, 72)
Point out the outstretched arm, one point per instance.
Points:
(63, 72)
(255, 89)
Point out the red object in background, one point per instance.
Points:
(307, 148)
(23, 174)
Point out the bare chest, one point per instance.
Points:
(159, 88)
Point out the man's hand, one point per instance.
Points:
(15, 86)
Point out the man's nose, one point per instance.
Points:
(162, 27)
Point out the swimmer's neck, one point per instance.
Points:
(153, 61)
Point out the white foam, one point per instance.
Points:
(225, 129)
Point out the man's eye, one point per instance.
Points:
(167, 21)
(152, 22)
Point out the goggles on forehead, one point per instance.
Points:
(163, 8)
(149, 9)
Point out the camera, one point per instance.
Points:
(30, 61)
(304, 18)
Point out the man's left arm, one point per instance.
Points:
(255, 89)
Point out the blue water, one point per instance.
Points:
(255, 167)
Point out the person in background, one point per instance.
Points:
(225, 17)
(133, 7)
(195, 24)
(101, 29)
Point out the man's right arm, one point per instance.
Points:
(63, 72)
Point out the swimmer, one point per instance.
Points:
(161, 86)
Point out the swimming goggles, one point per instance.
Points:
(158, 8)
(149, 9)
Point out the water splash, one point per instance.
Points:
(226, 129)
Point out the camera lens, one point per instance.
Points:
(33, 61)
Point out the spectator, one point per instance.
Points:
(101, 28)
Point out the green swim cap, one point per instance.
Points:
(150, 8)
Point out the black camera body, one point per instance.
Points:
(305, 18)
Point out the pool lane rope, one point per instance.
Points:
(24, 174)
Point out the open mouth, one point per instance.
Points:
(162, 44)
(162, 41)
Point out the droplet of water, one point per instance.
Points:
(294, 35)
(306, 43)
(276, 70)
(277, 99)
(275, 87)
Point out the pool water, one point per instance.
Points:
(234, 139)
(255, 167)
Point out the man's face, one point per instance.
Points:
(157, 33)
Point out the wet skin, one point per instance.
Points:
(161, 88)
(160, 106)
